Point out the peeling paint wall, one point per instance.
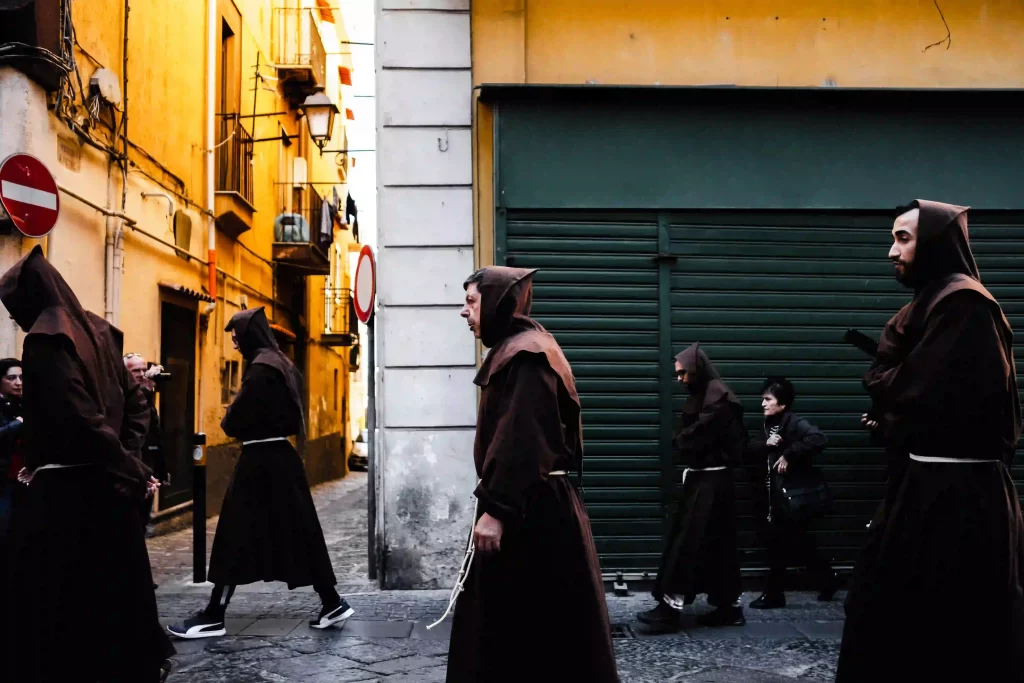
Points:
(426, 356)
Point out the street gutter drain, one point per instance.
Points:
(622, 632)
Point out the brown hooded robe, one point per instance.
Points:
(80, 586)
(939, 587)
(268, 529)
(701, 554)
(535, 610)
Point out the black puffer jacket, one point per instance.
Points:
(801, 441)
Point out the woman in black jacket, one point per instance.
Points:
(10, 440)
(787, 444)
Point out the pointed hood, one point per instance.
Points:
(506, 295)
(41, 302)
(943, 245)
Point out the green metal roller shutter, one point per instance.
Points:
(597, 292)
(766, 293)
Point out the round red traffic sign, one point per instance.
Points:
(366, 285)
(29, 194)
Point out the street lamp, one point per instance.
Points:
(319, 112)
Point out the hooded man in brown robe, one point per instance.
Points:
(701, 554)
(268, 528)
(80, 603)
(937, 592)
(533, 608)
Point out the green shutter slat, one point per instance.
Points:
(597, 292)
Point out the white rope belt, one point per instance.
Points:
(467, 559)
(273, 438)
(926, 458)
(467, 562)
(702, 469)
(57, 467)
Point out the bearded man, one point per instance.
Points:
(938, 587)
(533, 608)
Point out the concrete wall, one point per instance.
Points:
(426, 396)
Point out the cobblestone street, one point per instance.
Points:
(387, 640)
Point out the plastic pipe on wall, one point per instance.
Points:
(211, 104)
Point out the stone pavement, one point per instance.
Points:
(387, 640)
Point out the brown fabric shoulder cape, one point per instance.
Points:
(257, 344)
(920, 342)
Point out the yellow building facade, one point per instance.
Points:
(191, 188)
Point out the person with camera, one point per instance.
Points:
(147, 375)
(793, 492)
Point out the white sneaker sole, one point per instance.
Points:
(193, 634)
(328, 622)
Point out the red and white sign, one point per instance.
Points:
(28, 193)
(366, 285)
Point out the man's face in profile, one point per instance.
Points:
(904, 244)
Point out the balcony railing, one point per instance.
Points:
(298, 51)
(234, 158)
(341, 326)
(304, 235)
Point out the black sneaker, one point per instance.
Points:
(723, 616)
(769, 601)
(661, 619)
(329, 616)
(202, 625)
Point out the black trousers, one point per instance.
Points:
(790, 543)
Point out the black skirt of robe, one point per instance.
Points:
(269, 529)
(80, 603)
(701, 554)
(937, 593)
(535, 611)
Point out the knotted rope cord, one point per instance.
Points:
(467, 562)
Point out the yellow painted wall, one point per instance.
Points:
(810, 43)
(167, 123)
(854, 43)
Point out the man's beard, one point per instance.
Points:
(906, 277)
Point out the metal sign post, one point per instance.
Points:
(199, 508)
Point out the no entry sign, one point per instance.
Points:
(366, 285)
(28, 193)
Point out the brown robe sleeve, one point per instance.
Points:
(528, 437)
(61, 417)
(950, 394)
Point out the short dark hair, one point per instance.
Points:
(8, 363)
(781, 388)
(475, 279)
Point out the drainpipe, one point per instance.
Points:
(108, 251)
(211, 79)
